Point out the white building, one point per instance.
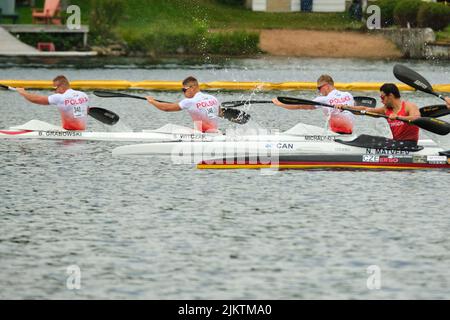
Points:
(297, 5)
(306, 5)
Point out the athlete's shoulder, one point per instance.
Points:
(203, 94)
(55, 98)
(76, 92)
(411, 107)
(410, 104)
(343, 93)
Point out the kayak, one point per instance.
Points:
(335, 162)
(41, 130)
(302, 147)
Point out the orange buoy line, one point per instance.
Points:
(215, 85)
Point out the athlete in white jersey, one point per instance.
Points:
(204, 108)
(339, 121)
(73, 105)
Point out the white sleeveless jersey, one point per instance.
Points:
(204, 110)
(73, 106)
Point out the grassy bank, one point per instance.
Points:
(443, 35)
(159, 27)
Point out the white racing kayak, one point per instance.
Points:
(36, 129)
(302, 147)
(299, 145)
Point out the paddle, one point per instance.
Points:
(430, 124)
(110, 94)
(236, 116)
(415, 80)
(435, 111)
(238, 103)
(2, 86)
(365, 101)
(360, 101)
(105, 116)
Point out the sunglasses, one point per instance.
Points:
(185, 89)
(320, 87)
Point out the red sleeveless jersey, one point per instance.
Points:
(402, 130)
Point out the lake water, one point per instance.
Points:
(144, 228)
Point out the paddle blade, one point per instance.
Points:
(433, 125)
(235, 104)
(232, 104)
(412, 78)
(365, 102)
(104, 116)
(3, 87)
(236, 116)
(435, 111)
(110, 94)
(297, 101)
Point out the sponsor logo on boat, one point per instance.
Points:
(437, 159)
(386, 152)
(380, 159)
(389, 159)
(371, 158)
(60, 134)
(320, 138)
(419, 159)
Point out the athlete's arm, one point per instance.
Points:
(34, 98)
(379, 110)
(447, 100)
(164, 106)
(294, 106)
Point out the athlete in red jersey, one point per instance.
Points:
(401, 130)
(394, 107)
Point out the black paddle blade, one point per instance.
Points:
(435, 111)
(232, 104)
(104, 116)
(412, 78)
(110, 94)
(297, 101)
(433, 125)
(365, 102)
(3, 87)
(236, 116)
(235, 104)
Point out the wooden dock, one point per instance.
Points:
(10, 46)
(46, 28)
